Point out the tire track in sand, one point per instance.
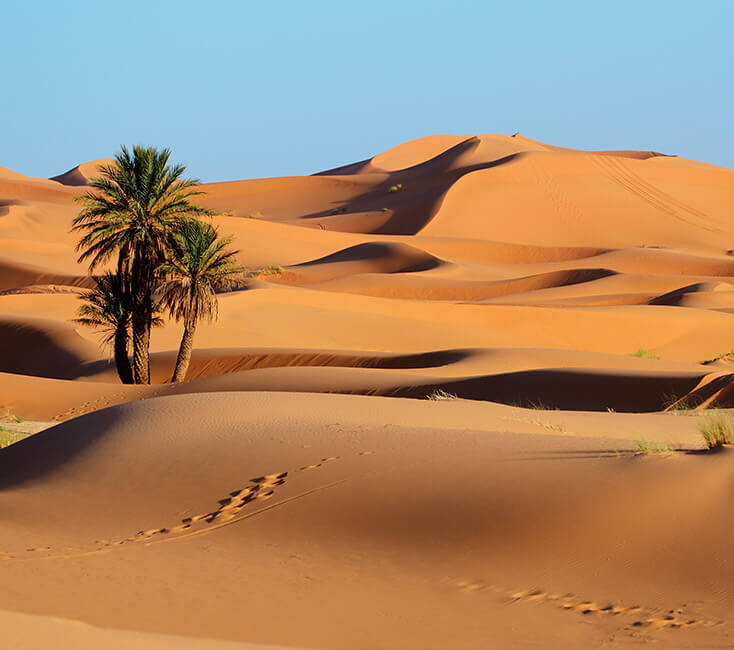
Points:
(619, 172)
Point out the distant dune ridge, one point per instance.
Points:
(417, 422)
(81, 174)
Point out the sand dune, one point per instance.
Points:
(42, 347)
(300, 491)
(529, 378)
(81, 174)
(36, 632)
(388, 522)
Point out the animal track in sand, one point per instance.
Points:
(674, 618)
(323, 460)
(90, 406)
(229, 508)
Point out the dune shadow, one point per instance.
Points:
(412, 195)
(567, 389)
(45, 452)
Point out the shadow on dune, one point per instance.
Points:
(42, 348)
(568, 389)
(49, 450)
(222, 361)
(391, 258)
(421, 190)
(577, 389)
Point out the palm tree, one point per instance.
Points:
(139, 203)
(198, 265)
(108, 306)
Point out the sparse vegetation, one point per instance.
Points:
(537, 405)
(540, 406)
(396, 188)
(439, 394)
(673, 402)
(340, 210)
(717, 430)
(645, 447)
(643, 354)
(254, 215)
(272, 269)
(726, 356)
(8, 438)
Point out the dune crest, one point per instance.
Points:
(81, 174)
(440, 408)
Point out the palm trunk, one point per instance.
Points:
(184, 353)
(141, 343)
(122, 361)
(142, 303)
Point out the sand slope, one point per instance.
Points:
(343, 513)
(300, 491)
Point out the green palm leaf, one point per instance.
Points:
(132, 211)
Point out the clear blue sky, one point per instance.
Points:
(243, 88)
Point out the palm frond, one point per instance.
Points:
(197, 266)
(133, 207)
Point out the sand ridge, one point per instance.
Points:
(339, 476)
(417, 422)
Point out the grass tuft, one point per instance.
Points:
(439, 394)
(643, 354)
(717, 430)
(270, 269)
(537, 405)
(396, 188)
(254, 215)
(645, 447)
(8, 438)
(672, 402)
(726, 356)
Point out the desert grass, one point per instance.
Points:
(439, 395)
(717, 430)
(725, 356)
(8, 437)
(645, 447)
(642, 353)
(680, 404)
(535, 405)
(396, 188)
(270, 269)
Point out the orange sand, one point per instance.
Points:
(253, 507)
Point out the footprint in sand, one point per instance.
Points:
(675, 619)
(260, 488)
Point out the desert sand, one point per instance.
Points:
(299, 490)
